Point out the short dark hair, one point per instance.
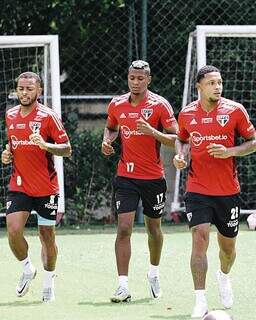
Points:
(30, 75)
(141, 65)
(204, 70)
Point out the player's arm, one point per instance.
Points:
(222, 152)
(182, 149)
(110, 135)
(58, 149)
(7, 156)
(167, 138)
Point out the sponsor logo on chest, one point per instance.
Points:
(20, 126)
(222, 119)
(207, 120)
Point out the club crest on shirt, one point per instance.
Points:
(146, 113)
(34, 126)
(222, 119)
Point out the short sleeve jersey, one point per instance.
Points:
(208, 175)
(33, 170)
(140, 154)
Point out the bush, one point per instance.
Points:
(88, 176)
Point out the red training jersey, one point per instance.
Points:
(208, 175)
(140, 155)
(33, 170)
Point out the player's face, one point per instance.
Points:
(210, 87)
(28, 91)
(138, 81)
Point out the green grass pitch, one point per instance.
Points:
(87, 277)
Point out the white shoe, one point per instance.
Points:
(121, 295)
(199, 311)
(48, 295)
(154, 287)
(225, 290)
(24, 283)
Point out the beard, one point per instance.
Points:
(28, 102)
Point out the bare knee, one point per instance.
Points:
(200, 236)
(15, 231)
(47, 235)
(154, 231)
(124, 230)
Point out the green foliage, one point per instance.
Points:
(88, 174)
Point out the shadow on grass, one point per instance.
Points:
(109, 304)
(20, 303)
(174, 317)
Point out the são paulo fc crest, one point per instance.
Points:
(34, 126)
(146, 113)
(222, 119)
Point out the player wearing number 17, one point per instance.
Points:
(211, 124)
(139, 117)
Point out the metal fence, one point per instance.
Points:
(99, 39)
(96, 63)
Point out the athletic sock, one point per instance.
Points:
(48, 281)
(28, 266)
(200, 297)
(153, 271)
(123, 281)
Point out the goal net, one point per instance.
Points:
(18, 54)
(232, 49)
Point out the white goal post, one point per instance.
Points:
(231, 48)
(48, 58)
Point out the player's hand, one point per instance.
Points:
(7, 156)
(179, 162)
(106, 148)
(218, 151)
(38, 140)
(144, 127)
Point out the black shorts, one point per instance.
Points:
(46, 207)
(223, 211)
(129, 191)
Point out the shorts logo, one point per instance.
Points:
(146, 113)
(117, 204)
(53, 213)
(34, 126)
(51, 205)
(222, 119)
(189, 216)
(8, 204)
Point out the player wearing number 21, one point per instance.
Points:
(139, 117)
(211, 124)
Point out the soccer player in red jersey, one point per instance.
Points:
(139, 117)
(210, 124)
(35, 134)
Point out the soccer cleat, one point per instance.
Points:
(199, 311)
(225, 290)
(154, 287)
(24, 283)
(48, 295)
(121, 295)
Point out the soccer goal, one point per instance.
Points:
(232, 49)
(18, 54)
